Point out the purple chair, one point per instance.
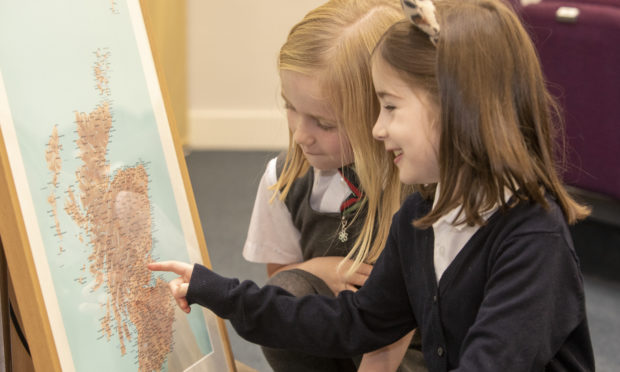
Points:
(580, 56)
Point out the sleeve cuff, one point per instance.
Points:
(210, 290)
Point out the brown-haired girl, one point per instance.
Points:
(481, 261)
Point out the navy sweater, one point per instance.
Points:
(512, 299)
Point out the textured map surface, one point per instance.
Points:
(101, 188)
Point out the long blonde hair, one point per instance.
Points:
(334, 42)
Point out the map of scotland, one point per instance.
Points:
(91, 145)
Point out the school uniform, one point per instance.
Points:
(511, 299)
(308, 224)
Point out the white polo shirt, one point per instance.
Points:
(272, 237)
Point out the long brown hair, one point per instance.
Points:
(498, 122)
(334, 43)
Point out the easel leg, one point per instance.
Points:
(16, 354)
(4, 310)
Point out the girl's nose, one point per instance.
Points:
(378, 131)
(302, 135)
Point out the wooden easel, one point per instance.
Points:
(19, 279)
(4, 310)
(15, 344)
(31, 315)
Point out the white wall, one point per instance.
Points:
(233, 82)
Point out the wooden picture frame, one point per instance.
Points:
(93, 185)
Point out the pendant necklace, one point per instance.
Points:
(348, 207)
(343, 235)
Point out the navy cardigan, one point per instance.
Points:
(512, 299)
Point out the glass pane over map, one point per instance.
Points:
(97, 175)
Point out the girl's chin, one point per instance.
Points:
(322, 163)
(408, 179)
(322, 166)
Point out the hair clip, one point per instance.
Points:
(422, 14)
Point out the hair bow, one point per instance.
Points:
(422, 14)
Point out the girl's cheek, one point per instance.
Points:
(345, 146)
(291, 119)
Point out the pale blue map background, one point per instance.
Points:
(46, 60)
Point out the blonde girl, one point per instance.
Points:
(333, 193)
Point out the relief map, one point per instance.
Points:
(100, 186)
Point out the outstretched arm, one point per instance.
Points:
(351, 324)
(354, 323)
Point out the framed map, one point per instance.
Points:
(93, 187)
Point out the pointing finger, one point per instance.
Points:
(176, 267)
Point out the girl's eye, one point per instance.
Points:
(325, 126)
(389, 107)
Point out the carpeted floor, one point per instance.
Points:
(225, 183)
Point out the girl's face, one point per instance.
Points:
(312, 122)
(406, 125)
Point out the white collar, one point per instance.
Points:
(450, 217)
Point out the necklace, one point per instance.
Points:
(348, 207)
(343, 235)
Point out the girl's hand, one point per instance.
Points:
(327, 268)
(388, 358)
(177, 286)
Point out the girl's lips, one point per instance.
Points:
(309, 152)
(398, 154)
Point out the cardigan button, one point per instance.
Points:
(440, 351)
(435, 299)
